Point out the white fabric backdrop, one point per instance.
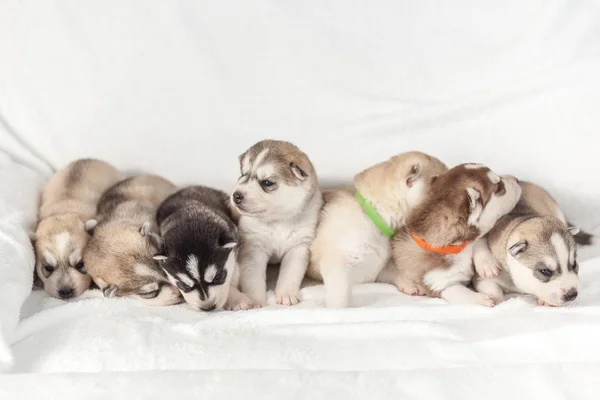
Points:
(182, 88)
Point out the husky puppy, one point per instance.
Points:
(119, 257)
(349, 247)
(278, 199)
(531, 251)
(66, 215)
(433, 252)
(199, 238)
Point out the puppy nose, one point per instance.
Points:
(65, 293)
(238, 197)
(570, 295)
(209, 308)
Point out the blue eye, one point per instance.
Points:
(546, 272)
(266, 183)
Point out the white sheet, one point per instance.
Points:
(182, 88)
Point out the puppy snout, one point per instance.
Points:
(66, 293)
(209, 308)
(238, 197)
(570, 295)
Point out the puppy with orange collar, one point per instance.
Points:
(433, 253)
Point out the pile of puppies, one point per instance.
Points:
(464, 234)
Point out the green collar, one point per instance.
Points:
(374, 215)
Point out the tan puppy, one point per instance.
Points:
(533, 251)
(67, 212)
(348, 247)
(119, 257)
(433, 253)
(278, 198)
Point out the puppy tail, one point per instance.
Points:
(586, 239)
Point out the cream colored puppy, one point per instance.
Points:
(67, 212)
(119, 257)
(349, 246)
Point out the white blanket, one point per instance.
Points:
(182, 88)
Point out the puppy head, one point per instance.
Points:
(399, 184)
(463, 204)
(120, 254)
(542, 260)
(200, 261)
(59, 242)
(277, 180)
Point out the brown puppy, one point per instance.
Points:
(119, 257)
(433, 253)
(67, 212)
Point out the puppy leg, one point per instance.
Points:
(459, 294)
(292, 271)
(237, 300)
(338, 287)
(390, 274)
(489, 287)
(486, 265)
(253, 275)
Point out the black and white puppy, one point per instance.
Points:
(199, 239)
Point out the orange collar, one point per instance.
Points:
(450, 249)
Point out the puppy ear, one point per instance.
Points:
(298, 172)
(145, 228)
(573, 230)
(413, 175)
(516, 249)
(160, 257)
(474, 196)
(229, 245)
(90, 225)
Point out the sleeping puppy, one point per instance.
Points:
(278, 198)
(531, 251)
(66, 215)
(433, 253)
(119, 257)
(199, 239)
(349, 247)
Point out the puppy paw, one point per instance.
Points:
(409, 287)
(110, 291)
(487, 267)
(287, 299)
(243, 303)
(486, 300)
(544, 304)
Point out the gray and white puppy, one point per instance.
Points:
(199, 239)
(279, 200)
(531, 251)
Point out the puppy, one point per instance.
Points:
(433, 253)
(199, 239)
(119, 257)
(532, 251)
(349, 247)
(278, 199)
(66, 215)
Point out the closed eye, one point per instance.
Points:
(220, 277)
(184, 287)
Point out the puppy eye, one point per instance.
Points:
(546, 272)
(80, 265)
(266, 183)
(49, 268)
(184, 287)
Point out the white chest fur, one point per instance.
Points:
(461, 271)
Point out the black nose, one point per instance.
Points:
(209, 308)
(238, 197)
(570, 295)
(65, 293)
